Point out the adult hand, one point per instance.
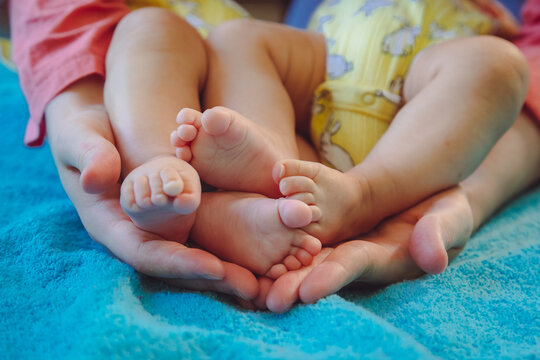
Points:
(418, 240)
(88, 163)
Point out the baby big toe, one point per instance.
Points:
(172, 182)
(294, 214)
(216, 121)
(186, 203)
(228, 128)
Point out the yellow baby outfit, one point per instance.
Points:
(201, 14)
(370, 45)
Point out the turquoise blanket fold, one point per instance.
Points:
(62, 296)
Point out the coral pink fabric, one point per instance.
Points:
(55, 43)
(528, 41)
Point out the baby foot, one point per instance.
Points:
(161, 196)
(340, 203)
(256, 232)
(228, 151)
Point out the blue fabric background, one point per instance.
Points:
(62, 296)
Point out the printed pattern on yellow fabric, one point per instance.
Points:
(370, 46)
(204, 15)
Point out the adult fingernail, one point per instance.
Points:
(240, 295)
(211, 277)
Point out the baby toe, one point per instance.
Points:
(175, 139)
(172, 182)
(127, 196)
(292, 263)
(184, 153)
(276, 271)
(189, 116)
(190, 198)
(305, 197)
(296, 184)
(286, 168)
(142, 192)
(303, 257)
(316, 213)
(186, 132)
(156, 188)
(308, 243)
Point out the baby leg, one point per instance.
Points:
(256, 80)
(156, 64)
(461, 96)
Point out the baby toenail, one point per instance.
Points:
(187, 133)
(172, 188)
(146, 202)
(281, 170)
(160, 200)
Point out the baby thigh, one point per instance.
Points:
(271, 66)
(464, 94)
(156, 65)
(475, 73)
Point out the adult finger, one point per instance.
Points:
(283, 293)
(175, 263)
(145, 252)
(442, 231)
(236, 281)
(80, 135)
(358, 260)
(265, 285)
(108, 225)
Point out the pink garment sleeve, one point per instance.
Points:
(55, 43)
(528, 40)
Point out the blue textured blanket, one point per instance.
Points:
(63, 296)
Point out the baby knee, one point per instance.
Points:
(150, 28)
(143, 21)
(503, 66)
(230, 32)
